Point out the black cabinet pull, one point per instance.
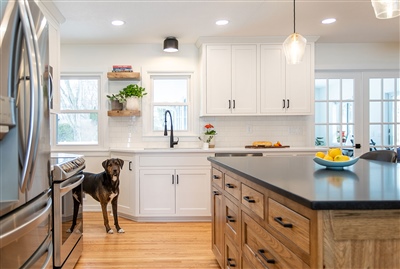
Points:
(288, 104)
(262, 254)
(172, 179)
(216, 177)
(177, 179)
(215, 193)
(130, 165)
(229, 104)
(229, 260)
(230, 219)
(283, 103)
(230, 186)
(234, 104)
(286, 225)
(247, 198)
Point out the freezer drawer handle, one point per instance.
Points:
(247, 198)
(286, 225)
(8, 237)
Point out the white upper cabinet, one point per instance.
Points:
(285, 89)
(231, 79)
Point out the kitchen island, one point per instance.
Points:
(289, 212)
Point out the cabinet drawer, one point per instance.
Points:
(253, 199)
(232, 223)
(216, 177)
(232, 186)
(231, 254)
(264, 250)
(290, 224)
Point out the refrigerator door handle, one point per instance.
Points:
(32, 221)
(47, 246)
(35, 97)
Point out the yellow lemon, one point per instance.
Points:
(328, 158)
(334, 151)
(341, 158)
(320, 154)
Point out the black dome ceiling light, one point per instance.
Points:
(170, 44)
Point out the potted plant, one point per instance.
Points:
(209, 135)
(132, 93)
(117, 101)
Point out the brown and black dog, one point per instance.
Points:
(104, 188)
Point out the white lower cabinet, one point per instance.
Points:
(126, 176)
(178, 192)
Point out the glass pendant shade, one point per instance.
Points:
(294, 48)
(170, 44)
(386, 9)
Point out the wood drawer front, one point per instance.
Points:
(216, 177)
(232, 223)
(253, 199)
(298, 233)
(232, 186)
(232, 258)
(264, 250)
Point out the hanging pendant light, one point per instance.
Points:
(295, 45)
(386, 9)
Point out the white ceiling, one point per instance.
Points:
(151, 21)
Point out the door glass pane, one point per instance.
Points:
(334, 135)
(334, 112)
(388, 112)
(348, 89)
(375, 112)
(347, 112)
(388, 134)
(334, 89)
(375, 92)
(320, 135)
(375, 134)
(320, 112)
(388, 89)
(320, 89)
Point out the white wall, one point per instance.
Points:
(232, 131)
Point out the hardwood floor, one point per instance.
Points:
(146, 245)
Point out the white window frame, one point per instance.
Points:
(101, 116)
(148, 105)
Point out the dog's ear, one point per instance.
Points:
(121, 162)
(105, 163)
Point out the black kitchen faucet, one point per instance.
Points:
(172, 142)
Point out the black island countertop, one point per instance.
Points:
(364, 185)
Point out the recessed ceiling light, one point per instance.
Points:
(329, 21)
(117, 22)
(222, 22)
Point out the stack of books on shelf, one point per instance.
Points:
(122, 68)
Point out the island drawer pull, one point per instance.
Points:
(216, 177)
(247, 198)
(230, 219)
(216, 193)
(262, 254)
(286, 225)
(230, 186)
(229, 262)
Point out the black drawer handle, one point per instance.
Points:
(216, 177)
(286, 225)
(216, 193)
(230, 186)
(230, 219)
(262, 254)
(247, 198)
(229, 260)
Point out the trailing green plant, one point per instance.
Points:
(133, 90)
(117, 97)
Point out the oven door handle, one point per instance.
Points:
(71, 183)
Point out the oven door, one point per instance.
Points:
(64, 240)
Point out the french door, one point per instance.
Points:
(357, 111)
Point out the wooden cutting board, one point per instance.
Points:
(264, 147)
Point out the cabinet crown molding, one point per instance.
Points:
(237, 40)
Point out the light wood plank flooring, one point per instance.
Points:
(146, 245)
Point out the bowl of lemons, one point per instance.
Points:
(334, 159)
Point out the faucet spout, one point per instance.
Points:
(172, 142)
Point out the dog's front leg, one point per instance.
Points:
(114, 204)
(105, 218)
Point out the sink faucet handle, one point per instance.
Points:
(176, 142)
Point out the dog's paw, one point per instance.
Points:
(110, 231)
(121, 231)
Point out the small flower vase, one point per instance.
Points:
(210, 139)
(132, 103)
(116, 105)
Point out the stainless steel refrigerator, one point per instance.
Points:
(25, 95)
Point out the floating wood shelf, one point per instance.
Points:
(123, 113)
(123, 75)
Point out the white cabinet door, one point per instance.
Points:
(193, 192)
(219, 79)
(244, 79)
(157, 192)
(300, 85)
(126, 180)
(272, 82)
